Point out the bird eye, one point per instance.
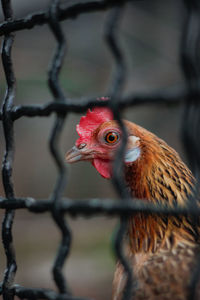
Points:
(111, 137)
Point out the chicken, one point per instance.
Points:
(161, 248)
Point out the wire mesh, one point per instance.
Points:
(60, 105)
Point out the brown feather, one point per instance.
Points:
(161, 248)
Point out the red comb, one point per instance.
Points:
(91, 121)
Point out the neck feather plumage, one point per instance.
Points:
(160, 176)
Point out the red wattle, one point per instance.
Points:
(103, 166)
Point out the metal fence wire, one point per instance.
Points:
(57, 205)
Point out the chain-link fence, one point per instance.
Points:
(188, 94)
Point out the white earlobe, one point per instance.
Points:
(132, 155)
(133, 150)
(132, 140)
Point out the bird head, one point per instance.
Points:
(152, 169)
(100, 137)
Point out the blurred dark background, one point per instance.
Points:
(150, 35)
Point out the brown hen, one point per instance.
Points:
(161, 248)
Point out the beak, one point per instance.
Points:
(75, 154)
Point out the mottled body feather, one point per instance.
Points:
(161, 248)
(163, 275)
